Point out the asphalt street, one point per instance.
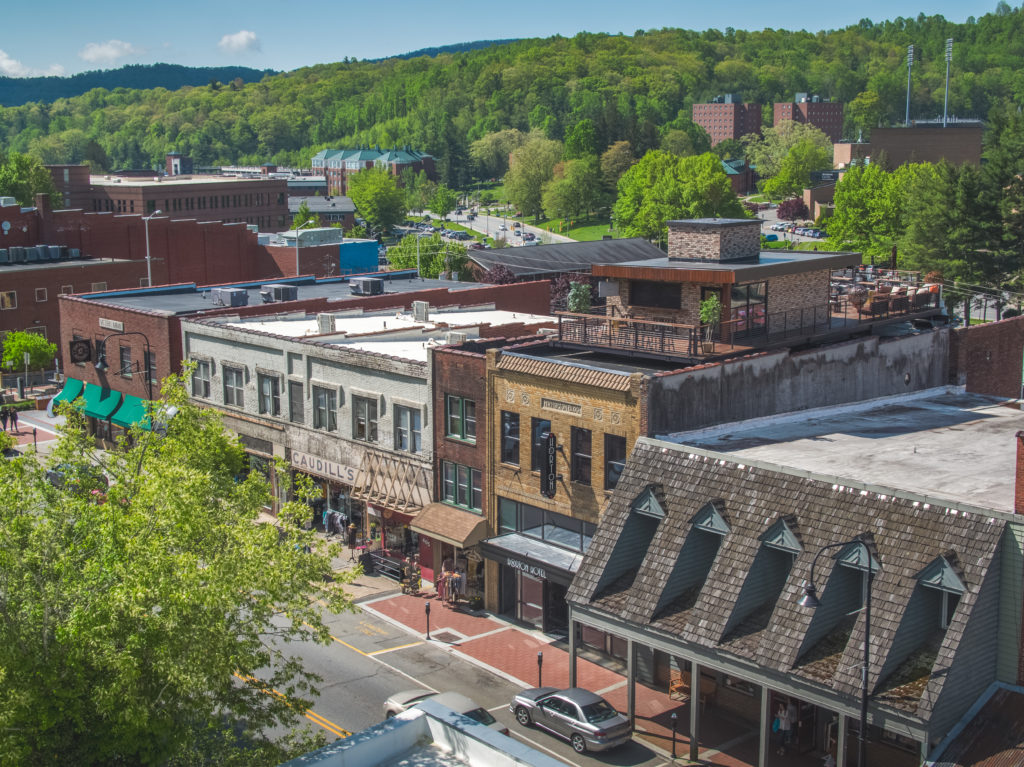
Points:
(370, 659)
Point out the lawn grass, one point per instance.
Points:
(584, 230)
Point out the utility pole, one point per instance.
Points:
(910, 67)
(949, 58)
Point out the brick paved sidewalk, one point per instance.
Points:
(512, 651)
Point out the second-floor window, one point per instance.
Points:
(325, 409)
(581, 455)
(462, 485)
(296, 407)
(234, 386)
(460, 418)
(539, 428)
(270, 395)
(510, 438)
(125, 361)
(364, 419)
(614, 459)
(407, 429)
(201, 379)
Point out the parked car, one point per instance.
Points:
(778, 226)
(502, 228)
(771, 238)
(529, 236)
(519, 232)
(584, 718)
(402, 701)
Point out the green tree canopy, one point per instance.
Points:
(615, 161)
(377, 198)
(304, 215)
(581, 140)
(768, 151)
(490, 153)
(794, 174)
(662, 187)
(575, 189)
(129, 613)
(443, 201)
(22, 177)
(41, 352)
(530, 167)
(434, 255)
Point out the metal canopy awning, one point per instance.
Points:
(449, 524)
(536, 558)
(100, 403)
(393, 483)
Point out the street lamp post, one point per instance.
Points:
(426, 609)
(540, 669)
(101, 361)
(810, 599)
(303, 225)
(149, 262)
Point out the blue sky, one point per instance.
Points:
(65, 36)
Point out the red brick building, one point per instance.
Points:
(727, 118)
(826, 116)
(259, 201)
(338, 164)
(110, 254)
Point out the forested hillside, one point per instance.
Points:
(628, 87)
(20, 90)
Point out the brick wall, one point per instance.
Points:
(693, 241)
(462, 374)
(956, 144)
(37, 290)
(1018, 491)
(796, 291)
(988, 358)
(81, 317)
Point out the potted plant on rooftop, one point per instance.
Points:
(710, 316)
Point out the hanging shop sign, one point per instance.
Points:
(324, 468)
(549, 477)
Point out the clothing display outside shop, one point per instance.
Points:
(451, 586)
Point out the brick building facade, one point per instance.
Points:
(340, 164)
(826, 116)
(728, 119)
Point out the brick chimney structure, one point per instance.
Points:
(714, 239)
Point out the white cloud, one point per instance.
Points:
(108, 52)
(13, 68)
(239, 42)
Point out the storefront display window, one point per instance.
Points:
(557, 529)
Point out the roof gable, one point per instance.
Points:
(647, 504)
(853, 555)
(781, 536)
(710, 520)
(941, 575)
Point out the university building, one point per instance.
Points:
(727, 117)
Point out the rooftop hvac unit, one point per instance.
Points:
(367, 286)
(421, 311)
(54, 252)
(4, 258)
(31, 255)
(75, 253)
(64, 252)
(17, 253)
(455, 337)
(325, 323)
(280, 292)
(7, 202)
(229, 297)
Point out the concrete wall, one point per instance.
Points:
(784, 381)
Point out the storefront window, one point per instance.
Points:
(507, 515)
(557, 529)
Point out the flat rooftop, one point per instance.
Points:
(172, 180)
(190, 299)
(87, 261)
(769, 263)
(395, 334)
(601, 360)
(943, 445)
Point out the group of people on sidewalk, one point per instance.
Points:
(9, 417)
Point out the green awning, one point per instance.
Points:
(131, 412)
(100, 403)
(71, 391)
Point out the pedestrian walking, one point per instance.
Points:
(3, 417)
(14, 421)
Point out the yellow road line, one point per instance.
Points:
(311, 715)
(392, 649)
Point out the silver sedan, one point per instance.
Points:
(585, 719)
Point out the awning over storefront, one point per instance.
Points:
(393, 483)
(100, 403)
(533, 557)
(71, 391)
(442, 522)
(131, 412)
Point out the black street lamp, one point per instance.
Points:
(101, 360)
(675, 723)
(810, 599)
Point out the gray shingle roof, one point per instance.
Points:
(566, 256)
(906, 537)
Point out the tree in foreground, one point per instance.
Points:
(17, 343)
(378, 198)
(432, 254)
(443, 201)
(304, 215)
(22, 177)
(133, 606)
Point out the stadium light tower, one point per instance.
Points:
(910, 67)
(949, 58)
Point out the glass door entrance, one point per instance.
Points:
(531, 600)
